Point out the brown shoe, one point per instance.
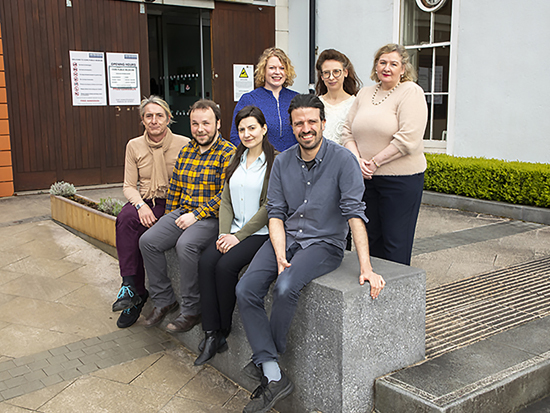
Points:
(183, 323)
(158, 314)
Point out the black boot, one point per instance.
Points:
(214, 342)
(225, 332)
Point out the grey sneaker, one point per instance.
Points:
(267, 394)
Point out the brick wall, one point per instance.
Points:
(6, 172)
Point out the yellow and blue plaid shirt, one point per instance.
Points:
(197, 181)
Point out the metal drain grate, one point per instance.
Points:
(469, 310)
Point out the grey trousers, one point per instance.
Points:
(189, 244)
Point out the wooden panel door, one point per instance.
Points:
(240, 33)
(51, 139)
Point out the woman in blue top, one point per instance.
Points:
(273, 74)
(243, 230)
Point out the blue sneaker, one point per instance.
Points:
(127, 298)
(129, 316)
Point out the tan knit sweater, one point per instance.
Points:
(399, 120)
(139, 166)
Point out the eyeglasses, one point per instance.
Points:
(336, 73)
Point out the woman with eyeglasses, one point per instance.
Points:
(337, 84)
(385, 129)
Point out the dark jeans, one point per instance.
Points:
(218, 276)
(267, 337)
(393, 203)
(128, 231)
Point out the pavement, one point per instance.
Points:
(60, 349)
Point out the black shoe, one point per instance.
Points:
(127, 297)
(253, 372)
(129, 316)
(267, 394)
(214, 343)
(225, 332)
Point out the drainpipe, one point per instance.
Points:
(312, 46)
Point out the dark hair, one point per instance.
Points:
(352, 83)
(267, 147)
(207, 104)
(306, 101)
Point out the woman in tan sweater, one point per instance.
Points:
(150, 159)
(385, 129)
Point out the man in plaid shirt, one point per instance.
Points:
(191, 219)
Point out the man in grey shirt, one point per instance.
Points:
(315, 190)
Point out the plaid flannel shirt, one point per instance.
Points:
(197, 181)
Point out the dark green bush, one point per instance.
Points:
(513, 182)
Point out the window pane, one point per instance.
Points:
(441, 81)
(422, 62)
(440, 117)
(442, 23)
(416, 24)
(429, 103)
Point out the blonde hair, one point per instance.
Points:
(158, 101)
(259, 73)
(410, 72)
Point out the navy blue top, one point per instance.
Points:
(316, 204)
(279, 131)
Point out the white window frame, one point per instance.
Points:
(441, 146)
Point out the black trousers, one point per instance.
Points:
(393, 203)
(218, 276)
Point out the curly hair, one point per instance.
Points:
(259, 73)
(352, 83)
(410, 72)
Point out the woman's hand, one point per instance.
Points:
(226, 242)
(146, 216)
(368, 168)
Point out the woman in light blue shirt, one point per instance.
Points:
(243, 230)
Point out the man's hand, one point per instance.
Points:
(186, 220)
(282, 264)
(226, 242)
(146, 216)
(376, 282)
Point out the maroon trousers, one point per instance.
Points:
(128, 231)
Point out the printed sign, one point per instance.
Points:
(88, 78)
(243, 80)
(123, 72)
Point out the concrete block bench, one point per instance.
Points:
(340, 340)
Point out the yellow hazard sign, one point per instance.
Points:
(243, 73)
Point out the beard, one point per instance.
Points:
(310, 145)
(206, 140)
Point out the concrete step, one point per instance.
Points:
(541, 406)
(501, 374)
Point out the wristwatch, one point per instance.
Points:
(138, 206)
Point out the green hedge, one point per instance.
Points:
(513, 182)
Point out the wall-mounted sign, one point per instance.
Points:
(243, 80)
(123, 75)
(88, 78)
(430, 5)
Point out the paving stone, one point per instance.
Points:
(107, 362)
(90, 359)
(124, 340)
(19, 371)
(51, 370)
(115, 335)
(51, 380)
(16, 381)
(2, 386)
(75, 354)
(71, 364)
(35, 375)
(92, 341)
(87, 368)
(92, 349)
(76, 346)
(23, 360)
(6, 365)
(57, 359)
(5, 375)
(38, 365)
(70, 374)
(154, 348)
(108, 345)
(13, 392)
(59, 350)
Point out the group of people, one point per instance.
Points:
(280, 197)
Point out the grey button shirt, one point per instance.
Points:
(316, 204)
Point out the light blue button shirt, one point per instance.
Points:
(246, 187)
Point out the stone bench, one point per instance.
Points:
(340, 340)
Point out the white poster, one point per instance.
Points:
(88, 78)
(123, 73)
(243, 80)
